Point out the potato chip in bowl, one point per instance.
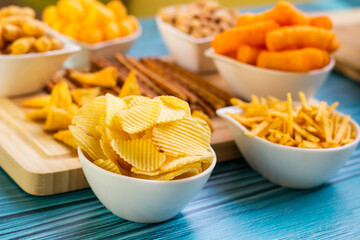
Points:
(131, 147)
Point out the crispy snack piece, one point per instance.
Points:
(321, 21)
(298, 126)
(22, 45)
(302, 60)
(38, 114)
(248, 54)
(104, 78)
(37, 102)
(252, 35)
(203, 116)
(130, 86)
(57, 119)
(66, 137)
(107, 165)
(84, 95)
(297, 37)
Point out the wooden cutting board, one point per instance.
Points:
(42, 166)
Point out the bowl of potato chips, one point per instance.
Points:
(145, 159)
(298, 150)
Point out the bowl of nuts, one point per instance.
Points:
(187, 31)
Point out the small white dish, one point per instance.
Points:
(245, 79)
(140, 200)
(105, 49)
(28, 73)
(186, 50)
(291, 167)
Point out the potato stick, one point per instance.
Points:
(290, 117)
(297, 37)
(348, 132)
(306, 134)
(253, 35)
(303, 100)
(311, 122)
(311, 129)
(321, 110)
(258, 129)
(297, 137)
(321, 21)
(278, 113)
(333, 106)
(22, 45)
(247, 54)
(239, 103)
(326, 126)
(254, 119)
(307, 144)
(342, 129)
(302, 60)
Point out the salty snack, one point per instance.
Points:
(304, 126)
(139, 137)
(21, 33)
(104, 78)
(90, 21)
(200, 19)
(283, 38)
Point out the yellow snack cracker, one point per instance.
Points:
(84, 95)
(106, 77)
(66, 137)
(38, 114)
(37, 102)
(130, 87)
(57, 119)
(297, 126)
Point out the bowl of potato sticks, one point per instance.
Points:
(189, 29)
(278, 51)
(296, 146)
(25, 48)
(145, 159)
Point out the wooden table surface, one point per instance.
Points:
(236, 203)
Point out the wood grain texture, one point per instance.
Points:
(236, 203)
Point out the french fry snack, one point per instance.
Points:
(122, 135)
(301, 126)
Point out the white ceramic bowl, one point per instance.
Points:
(27, 73)
(186, 50)
(105, 49)
(245, 79)
(139, 200)
(288, 166)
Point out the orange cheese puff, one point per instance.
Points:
(249, 18)
(118, 8)
(22, 45)
(247, 54)
(302, 60)
(321, 21)
(297, 37)
(286, 13)
(253, 35)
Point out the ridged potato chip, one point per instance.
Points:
(107, 165)
(140, 153)
(139, 117)
(66, 137)
(183, 137)
(113, 105)
(130, 86)
(168, 114)
(203, 116)
(116, 134)
(176, 103)
(37, 102)
(84, 95)
(134, 100)
(91, 116)
(189, 173)
(192, 168)
(57, 119)
(38, 114)
(105, 145)
(172, 163)
(89, 144)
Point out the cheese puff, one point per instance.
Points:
(56, 44)
(70, 10)
(22, 45)
(247, 54)
(321, 21)
(297, 37)
(33, 28)
(16, 10)
(252, 35)
(49, 15)
(2, 44)
(127, 26)
(118, 8)
(111, 30)
(249, 18)
(43, 44)
(11, 32)
(285, 13)
(302, 60)
(72, 30)
(15, 20)
(91, 36)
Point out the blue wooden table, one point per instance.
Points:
(236, 203)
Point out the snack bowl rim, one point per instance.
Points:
(235, 109)
(83, 157)
(96, 46)
(215, 56)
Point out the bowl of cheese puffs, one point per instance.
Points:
(99, 29)
(144, 158)
(280, 50)
(295, 145)
(29, 56)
